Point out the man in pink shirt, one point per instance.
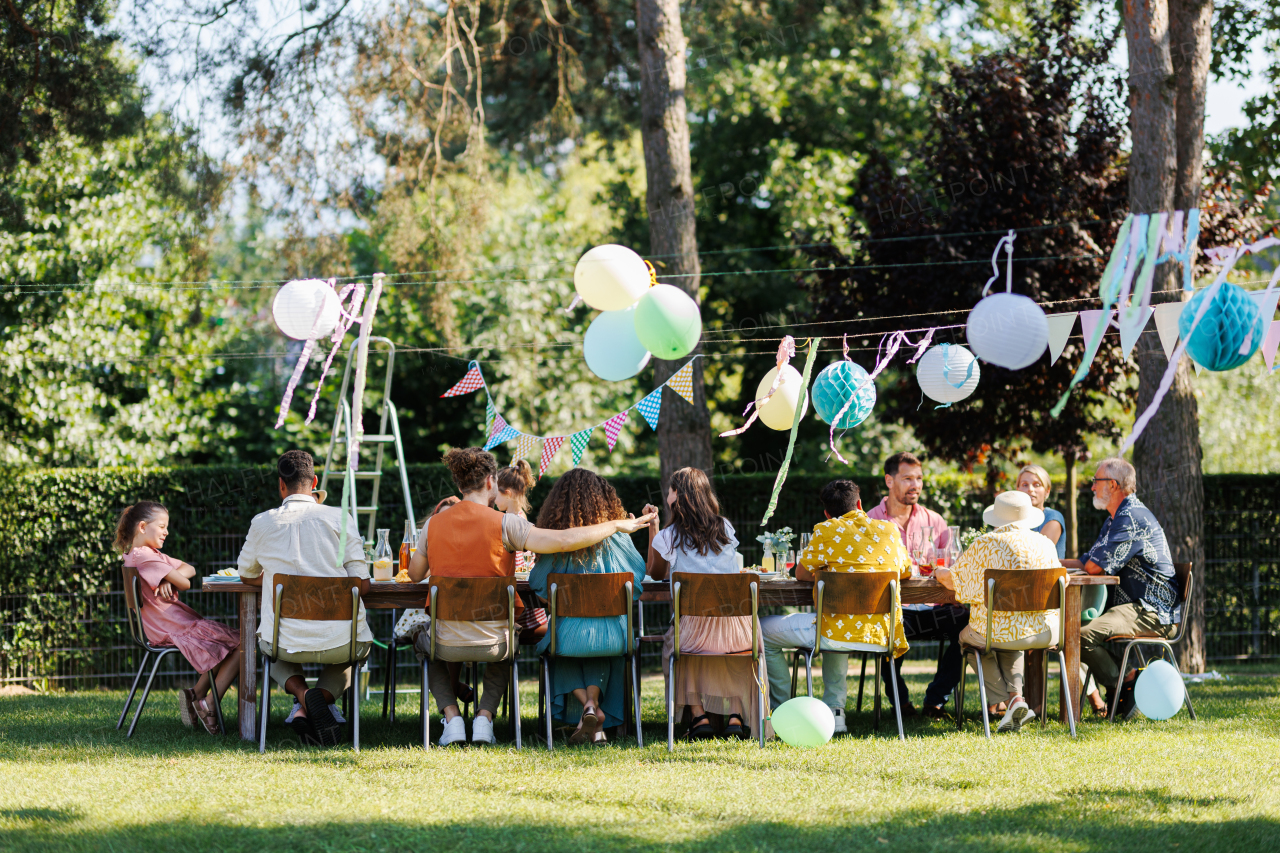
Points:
(904, 480)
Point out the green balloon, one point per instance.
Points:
(668, 322)
(803, 721)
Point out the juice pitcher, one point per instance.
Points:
(382, 557)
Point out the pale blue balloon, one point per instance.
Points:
(612, 350)
(1159, 691)
(803, 721)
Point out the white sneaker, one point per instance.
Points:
(455, 731)
(337, 714)
(482, 730)
(1016, 717)
(841, 728)
(293, 713)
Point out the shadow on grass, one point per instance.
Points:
(1097, 820)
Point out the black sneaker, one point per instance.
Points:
(321, 718)
(1128, 706)
(306, 734)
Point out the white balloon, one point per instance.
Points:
(948, 373)
(611, 348)
(780, 411)
(296, 305)
(610, 277)
(1008, 330)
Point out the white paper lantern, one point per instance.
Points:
(297, 304)
(610, 277)
(948, 373)
(780, 411)
(1008, 330)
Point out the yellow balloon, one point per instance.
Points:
(611, 277)
(780, 411)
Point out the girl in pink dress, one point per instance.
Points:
(207, 645)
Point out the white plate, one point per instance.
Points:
(522, 576)
(770, 576)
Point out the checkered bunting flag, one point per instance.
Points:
(613, 426)
(473, 381)
(650, 406)
(682, 382)
(578, 444)
(524, 447)
(501, 433)
(550, 447)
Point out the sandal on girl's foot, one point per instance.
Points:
(700, 728)
(204, 710)
(187, 707)
(600, 739)
(579, 737)
(737, 729)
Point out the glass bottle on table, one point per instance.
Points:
(406, 547)
(383, 560)
(767, 561)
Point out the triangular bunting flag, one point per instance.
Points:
(1089, 323)
(682, 381)
(1197, 366)
(500, 433)
(613, 426)
(578, 443)
(650, 406)
(1060, 326)
(1167, 314)
(550, 446)
(1129, 333)
(1270, 343)
(473, 381)
(524, 446)
(1266, 303)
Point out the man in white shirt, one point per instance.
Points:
(301, 537)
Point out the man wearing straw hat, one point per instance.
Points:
(1011, 545)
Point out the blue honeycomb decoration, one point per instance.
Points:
(1232, 317)
(833, 388)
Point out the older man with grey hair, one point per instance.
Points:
(1131, 546)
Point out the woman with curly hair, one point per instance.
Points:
(588, 675)
(699, 539)
(471, 540)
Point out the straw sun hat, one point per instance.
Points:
(1013, 508)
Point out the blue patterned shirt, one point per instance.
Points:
(1133, 546)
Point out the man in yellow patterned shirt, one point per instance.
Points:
(1011, 545)
(847, 541)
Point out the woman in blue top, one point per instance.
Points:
(1034, 480)
(587, 675)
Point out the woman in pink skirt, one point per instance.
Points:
(207, 645)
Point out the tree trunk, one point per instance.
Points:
(1072, 531)
(1190, 38)
(1167, 455)
(684, 431)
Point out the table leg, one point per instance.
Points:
(1033, 681)
(248, 690)
(1070, 680)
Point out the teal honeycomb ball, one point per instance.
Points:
(1231, 320)
(833, 388)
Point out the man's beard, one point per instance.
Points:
(1099, 503)
(910, 499)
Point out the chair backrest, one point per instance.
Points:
(1024, 589)
(589, 596)
(1186, 585)
(132, 590)
(699, 594)
(856, 592)
(314, 599)
(472, 600)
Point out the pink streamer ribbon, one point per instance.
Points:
(303, 360)
(345, 321)
(786, 352)
(889, 346)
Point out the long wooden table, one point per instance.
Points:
(386, 596)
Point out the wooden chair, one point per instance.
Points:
(716, 596)
(472, 600)
(1011, 591)
(314, 599)
(585, 596)
(132, 602)
(1186, 579)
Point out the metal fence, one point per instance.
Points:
(1242, 579)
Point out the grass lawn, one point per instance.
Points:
(70, 781)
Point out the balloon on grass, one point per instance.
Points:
(779, 413)
(804, 722)
(668, 322)
(1159, 691)
(610, 277)
(1230, 324)
(612, 350)
(834, 387)
(297, 304)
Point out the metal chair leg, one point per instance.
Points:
(671, 705)
(1124, 667)
(635, 694)
(1066, 693)
(355, 707)
(764, 679)
(808, 671)
(982, 692)
(546, 680)
(795, 671)
(266, 704)
(862, 678)
(134, 689)
(424, 709)
(146, 691)
(1186, 694)
(394, 650)
(876, 719)
(217, 701)
(959, 700)
(897, 705)
(514, 708)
